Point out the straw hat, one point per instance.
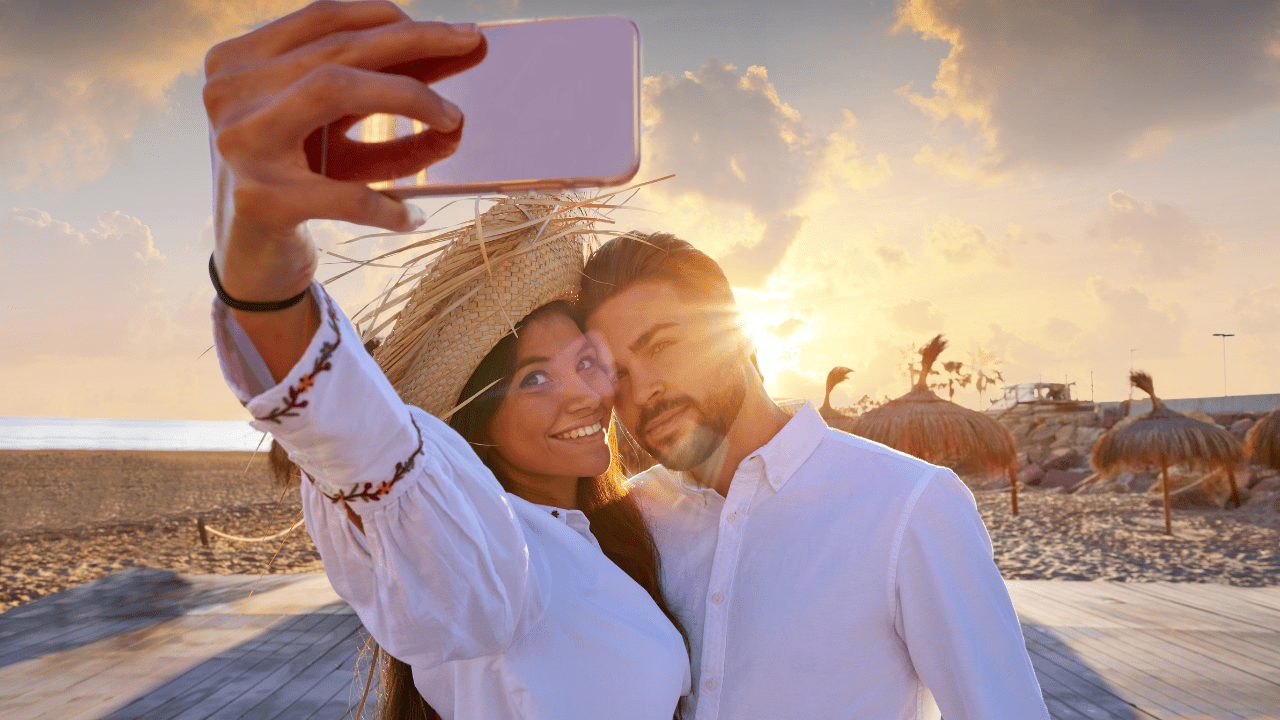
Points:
(473, 284)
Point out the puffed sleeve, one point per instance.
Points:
(954, 611)
(443, 571)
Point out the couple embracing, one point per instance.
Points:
(473, 512)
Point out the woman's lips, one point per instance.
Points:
(581, 433)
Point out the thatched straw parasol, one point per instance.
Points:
(1262, 444)
(834, 417)
(939, 431)
(1165, 437)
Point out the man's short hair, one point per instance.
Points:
(637, 257)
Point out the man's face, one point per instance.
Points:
(679, 367)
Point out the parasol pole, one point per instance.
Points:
(1235, 493)
(1013, 488)
(1164, 485)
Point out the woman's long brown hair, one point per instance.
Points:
(615, 517)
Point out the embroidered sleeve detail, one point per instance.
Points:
(292, 401)
(368, 491)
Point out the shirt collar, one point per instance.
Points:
(791, 447)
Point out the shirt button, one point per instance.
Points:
(712, 684)
(717, 598)
(732, 518)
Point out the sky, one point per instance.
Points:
(1067, 186)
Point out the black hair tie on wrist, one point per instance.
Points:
(251, 306)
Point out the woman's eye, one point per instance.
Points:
(534, 379)
(660, 346)
(587, 363)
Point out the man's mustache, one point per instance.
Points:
(657, 408)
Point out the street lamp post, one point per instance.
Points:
(1224, 337)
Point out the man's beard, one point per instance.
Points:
(714, 418)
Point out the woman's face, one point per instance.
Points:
(551, 427)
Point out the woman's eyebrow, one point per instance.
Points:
(531, 360)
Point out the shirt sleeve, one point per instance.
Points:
(954, 611)
(443, 571)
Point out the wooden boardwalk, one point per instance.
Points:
(150, 644)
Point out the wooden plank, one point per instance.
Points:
(1057, 661)
(204, 675)
(1149, 670)
(277, 688)
(1223, 683)
(1117, 661)
(1150, 703)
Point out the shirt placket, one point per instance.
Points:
(724, 567)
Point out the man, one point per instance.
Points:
(818, 574)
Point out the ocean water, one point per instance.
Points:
(39, 433)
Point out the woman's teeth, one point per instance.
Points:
(580, 432)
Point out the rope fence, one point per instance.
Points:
(205, 528)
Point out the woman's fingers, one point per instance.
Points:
(346, 159)
(386, 45)
(352, 202)
(299, 28)
(282, 124)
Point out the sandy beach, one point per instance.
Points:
(75, 516)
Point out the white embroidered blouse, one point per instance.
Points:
(504, 608)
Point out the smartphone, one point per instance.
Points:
(553, 104)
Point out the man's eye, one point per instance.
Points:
(534, 379)
(660, 346)
(621, 373)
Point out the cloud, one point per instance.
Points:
(71, 291)
(1170, 243)
(732, 141)
(1132, 320)
(893, 257)
(1259, 310)
(77, 76)
(918, 316)
(960, 243)
(1044, 84)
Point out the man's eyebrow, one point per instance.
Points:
(644, 339)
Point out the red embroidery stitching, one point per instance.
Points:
(367, 491)
(307, 381)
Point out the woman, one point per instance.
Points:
(496, 558)
(502, 605)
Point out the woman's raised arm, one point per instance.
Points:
(267, 94)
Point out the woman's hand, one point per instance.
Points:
(269, 93)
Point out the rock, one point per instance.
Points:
(1064, 434)
(1062, 478)
(1262, 499)
(1030, 475)
(1021, 430)
(1266, 485)
(1207, 491)
(1241, 427)
(1090, 481)
(1043, 433)
(1179, 477)
(1201, 415)
(1087, 436)
(1036, 453)
(1257, 474)
(1062, 460)
(1141, 482)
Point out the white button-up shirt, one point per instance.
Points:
(838, 579)
(504, 608)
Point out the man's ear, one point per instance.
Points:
(756, 364)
